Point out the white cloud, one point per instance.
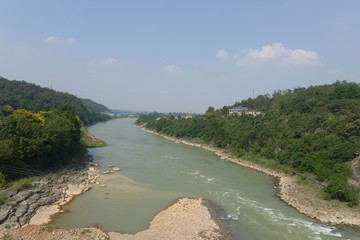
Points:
(300, 57)
(65, 41)
(69, 41)
(222, 55)
(173, 69)
(267, 52)
(110, 61)
(52, 39)
(278, 55)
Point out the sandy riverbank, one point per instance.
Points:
(185, 219)
(303, 196)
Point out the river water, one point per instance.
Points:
(155, 172)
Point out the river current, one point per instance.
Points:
(155, 172)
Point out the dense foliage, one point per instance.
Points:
(33, 141)
(95, 106)
(23, 95)
(314, 130)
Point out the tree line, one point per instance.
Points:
(312, 130)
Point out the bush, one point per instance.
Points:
(339, 188)
(2, 180)
(2, 199)
(23, 183)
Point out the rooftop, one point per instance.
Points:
(240, 108)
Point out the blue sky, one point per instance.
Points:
(180, 55)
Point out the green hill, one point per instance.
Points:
(28, 96)
(313, 130)
(100, 108)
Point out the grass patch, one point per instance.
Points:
(6, 237)
(24, 183)
(85, 231)
(89, 141)
(303, 181)
(268, 163)
(2, 199)
(51, 228)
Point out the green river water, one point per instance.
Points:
(155, 172)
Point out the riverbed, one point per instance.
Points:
(156, 171)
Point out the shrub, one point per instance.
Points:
(339, 188)
(2, 199)
(23, 183)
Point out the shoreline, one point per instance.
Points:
(184, 218)
(45, 214)
(40, 202)
(299, 196)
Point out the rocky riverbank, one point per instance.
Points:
(303, 196)
(35, 203)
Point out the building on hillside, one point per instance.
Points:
(242, 111)
(189, 116)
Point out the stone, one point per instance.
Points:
(116, 169)
(23, 195)
(4, 213)
(14, 222)
(9, 193)
(33, 199)
(21, 209)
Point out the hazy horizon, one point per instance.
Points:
(178, 56)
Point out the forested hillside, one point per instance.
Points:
(40, 128)
(31, 97)
(94, 105)
(313, 130)
(33, 141)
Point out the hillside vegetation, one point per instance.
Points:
(313, 130)
(31, 142)
(95, 106)
(31, 97)
(42, 130)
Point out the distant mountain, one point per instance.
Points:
(28, 96)
(94, 105)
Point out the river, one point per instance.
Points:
(155, 172)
